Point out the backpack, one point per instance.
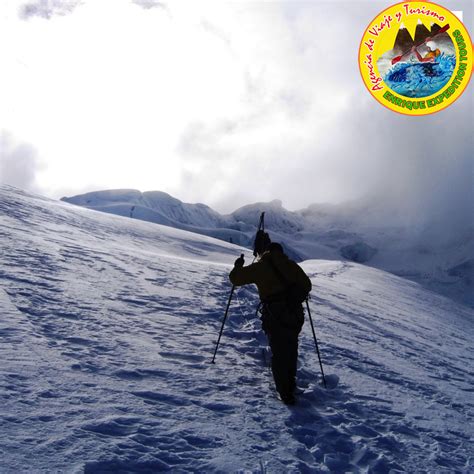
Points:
(285, 307)
(294, 294)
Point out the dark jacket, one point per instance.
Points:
(264, 276)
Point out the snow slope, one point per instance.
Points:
(108, 325)
(368, 231)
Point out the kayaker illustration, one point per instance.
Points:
(431, 55)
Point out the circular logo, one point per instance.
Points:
(416, 58)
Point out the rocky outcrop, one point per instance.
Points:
(403, 41)
(421, 33)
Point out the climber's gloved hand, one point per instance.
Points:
(239, 262)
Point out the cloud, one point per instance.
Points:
(296, 87)
(19, 163)
(418, 171)
(310, 132)
(216, 31)
(229, 103)
(148, 4)
(48, 8)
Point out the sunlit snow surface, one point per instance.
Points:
(415, 79)
(107, 327)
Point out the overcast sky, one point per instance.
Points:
(221, 103)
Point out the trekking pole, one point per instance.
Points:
(316, 343)
(223, 322)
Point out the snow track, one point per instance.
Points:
(107, 329)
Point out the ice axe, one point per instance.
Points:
(396, 59)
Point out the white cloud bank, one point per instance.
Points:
(19, 163)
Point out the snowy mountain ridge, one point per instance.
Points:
(107, 328)
(356, 231)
